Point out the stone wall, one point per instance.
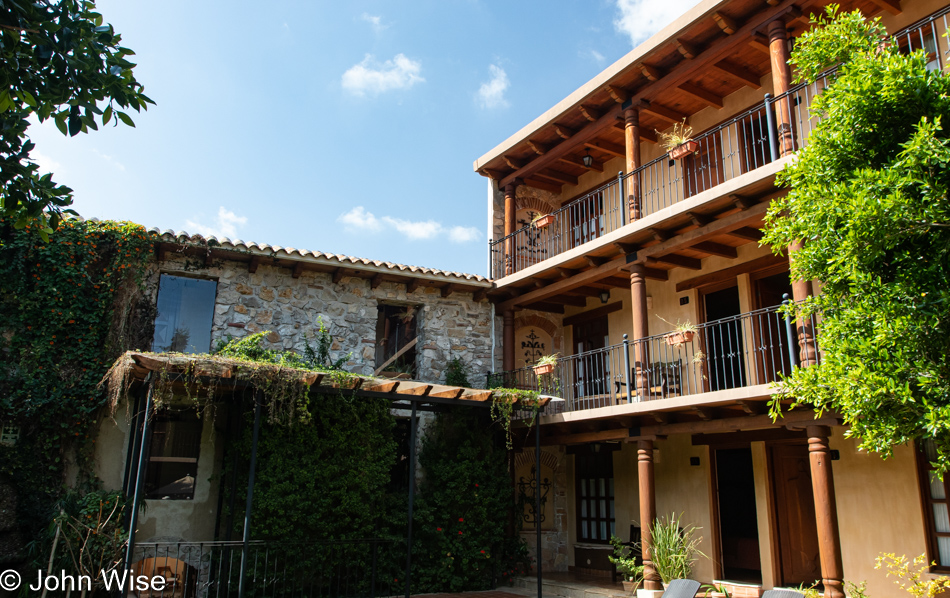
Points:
(271, 299)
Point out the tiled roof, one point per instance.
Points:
(307, 255)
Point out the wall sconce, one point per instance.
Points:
(587, 159)
(605, 296)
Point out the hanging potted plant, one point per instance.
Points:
(542, 220)
(679, 142)
(682, 332)
(546, 364)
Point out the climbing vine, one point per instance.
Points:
(506, 402)
(68, 308)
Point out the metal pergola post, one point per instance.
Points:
(250, 492)
(537, 491)
(412, 495)
(139, 478)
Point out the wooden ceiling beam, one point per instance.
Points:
(513, 162)
(594, 165)
(740, 73)
(479, 295)
(253, 264)
(687, 49)
(447, 290)
(759, 41)
(677, 260)
(711, 248)
(563, 132)
(338, 275)
(590, 113)
(298, 270)
(559, 176)
(413, 284)
(546, 306)
(616, 282)
(605, 146)
(543, 185)
(891, 6)
(376, 281)
(656, 274)
(492, 173)
(707, 97)
(619, 94)
(625, 248)
(569, 300)
(580, 280)
(595, 261)
(651, 72)
(662, 111)
(564, 273)
(746, 233)
(725, 22)
(756, 265)
(647, 135)
(538, 147)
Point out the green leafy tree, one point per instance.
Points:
(59, 61)
(869, 200)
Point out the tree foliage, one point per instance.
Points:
(59, 61)
(869, 200)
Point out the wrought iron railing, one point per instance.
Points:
(758, 347)
(356, 568)
(769, 130)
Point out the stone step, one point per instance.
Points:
(528, 586)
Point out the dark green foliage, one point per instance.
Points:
(869, 199)
(465, 507)
(456, 374)
(68, 308)
(59, 61)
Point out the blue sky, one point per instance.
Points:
(344, 127)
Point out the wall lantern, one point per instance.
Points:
(604, 296)
(587, 159)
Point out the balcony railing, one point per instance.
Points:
(773, 128)
(758, 347)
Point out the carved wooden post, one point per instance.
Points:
(508, 342)
(510, 191)
(638, 293)
(826, 511)
(651, 581)
(781, 77)
(631, 134)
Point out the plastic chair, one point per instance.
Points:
(782, 594)
(681, 588)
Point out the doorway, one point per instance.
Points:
(725, 359)
(590, 371)
(738, 525)
(796, 527)
(773, 355)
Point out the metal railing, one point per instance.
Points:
(343, 568)
(772, 128)
(758, 347)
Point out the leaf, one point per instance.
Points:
(28, 98)
(125, 118)
(107, 115)
(60, 121)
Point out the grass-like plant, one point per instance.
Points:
(674, 548)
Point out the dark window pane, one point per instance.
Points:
(185, 310)
(173, 457)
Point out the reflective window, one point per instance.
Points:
(173, 456)
(185, 311)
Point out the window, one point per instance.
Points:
(396, 337)
(935, 493)
(594, 470)
(173, 456)
(185, 311)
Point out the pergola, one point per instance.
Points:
(231, 379)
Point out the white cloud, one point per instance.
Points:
(359, 220)
(375, 20)
(45, 163)
(639, 19)
(109, 159)
(492, 92)
(225, 225)
(370, 77)
(595, 55)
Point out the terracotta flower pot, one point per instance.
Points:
(684, 149)
(541, 370)
(630, 586)
(680, 338)
(544, 221)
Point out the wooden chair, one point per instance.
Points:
(681, 588)
(782, 594)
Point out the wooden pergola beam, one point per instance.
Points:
(662, 111)
(677, 260)
(740, 73)
(707, 97)
(725, 22)
(605, 146)
(557, 175)
(711, 248)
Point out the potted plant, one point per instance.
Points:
(679, 142)
(683, 332)
(546, 364)
(626, 565)
(715, 590)
(542, 220)
(675, 548)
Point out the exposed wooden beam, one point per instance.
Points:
(760, 263)
(338, 275)
(660, 234)
(662, 111)
(619, 94)
(595, 261)
(891, 6)
(586, 437)
(625, 248)
(687, 49)
(732, 424)
(594, 165)
(493, 174)
(677, 260)
(702, 95)
(547, 306)
(565, 273)
(298, 270)
(590, 113)
(479, 295)
(646, 135)
(413, 284)
(538, 147)
(569, 300)
(725, 22)
(617, 282)
(562, 149)
(711, 248)
(376, 281)
(748, 233)
(253, 264)
(513, 162)
(753, 407)
(543, 185)
(704, 413)
(759, 41)
(580, 280)
(209, 259)
(593, 314)
(743, 203)
(559, 176)
(610, 148)
(563, 132)
(447, 290)
(539, 284)
(740, 73)
(700, 219)
(651, 72)
(660, 417)
(656, 274)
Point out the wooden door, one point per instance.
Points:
(772, 355)
(796, 529)
(724, 342)
(590, 375)
(702, 170)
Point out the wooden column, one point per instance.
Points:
(641, 329)
(781, 79)
(826, 512)
(508, 341)
(631, 134)
(651, 581)
(510, 191)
